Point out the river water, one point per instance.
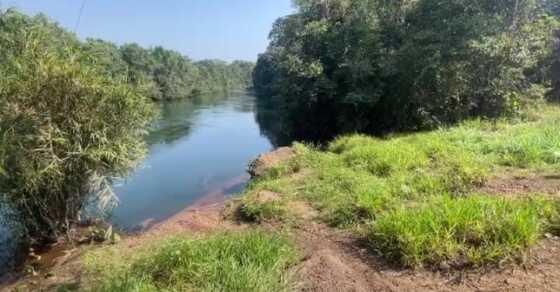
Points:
(197, 147)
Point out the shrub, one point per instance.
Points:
(65, 128)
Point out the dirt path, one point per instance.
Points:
(337, 261)
(522, 185)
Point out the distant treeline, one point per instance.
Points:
(167, 74)
(377, 66)
(163, 74)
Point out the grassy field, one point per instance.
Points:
(415, 197)
(416, 200)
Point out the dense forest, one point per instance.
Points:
(375, 66)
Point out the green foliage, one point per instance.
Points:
(472, 230)
(159, 73)
(374, 66)
(166, 74)
(247, 261)
(65, 127)
(215, 75)
(254, 210)
(72, 114)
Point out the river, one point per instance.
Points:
(196, 147)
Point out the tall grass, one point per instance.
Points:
(415, 192)
(65, 127)
(471, 230)
(246, 261)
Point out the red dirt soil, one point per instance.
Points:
(336, 261)
(523, 185)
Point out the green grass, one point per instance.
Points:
(414, 194)
(472, 230)
(246, 261)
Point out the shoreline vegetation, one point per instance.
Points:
(73, 116)
(428, 154)
(438, 203)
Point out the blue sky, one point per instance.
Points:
(201, 29)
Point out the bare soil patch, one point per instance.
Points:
(337, 261)
(520, 185)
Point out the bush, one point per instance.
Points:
(248, 261)
(65, 127)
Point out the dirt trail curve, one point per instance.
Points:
(337, 261)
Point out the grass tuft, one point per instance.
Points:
(475, 230)
(247, 261)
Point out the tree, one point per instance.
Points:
(174, 74)
(105, 55)
(375, 66)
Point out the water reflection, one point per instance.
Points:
(197, 148)
(176, 117)
(272, 123)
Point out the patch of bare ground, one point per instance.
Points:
(59, 268)
(336, 260)
(518, 184)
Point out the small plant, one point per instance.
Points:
(255, 208)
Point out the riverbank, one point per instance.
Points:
(473, 207)
(62, 265)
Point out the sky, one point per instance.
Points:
(201, 29)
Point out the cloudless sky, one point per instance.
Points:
(200, 29)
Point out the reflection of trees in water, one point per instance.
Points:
(272, 123)
(175, 121)
(245, 103)
(176, 117)
(278, 123)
